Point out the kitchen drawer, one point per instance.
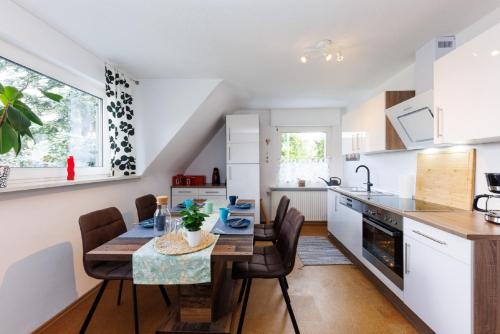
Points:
(193, 192)
(447, 243)
(211, 192)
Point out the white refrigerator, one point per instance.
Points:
(242, 158)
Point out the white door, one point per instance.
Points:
(466, 91)
(242, 128)
(242, 153)
(437, 288)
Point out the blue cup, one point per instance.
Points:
(188, 203)
(223, 214)
(232, 200)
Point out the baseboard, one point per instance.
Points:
(66, 310)
(418, 323)
(316, 222)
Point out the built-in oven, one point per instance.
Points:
(383, 242)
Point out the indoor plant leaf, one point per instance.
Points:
(11, 93)
(8, 138)
(1, 88)
(18, 121)
(53, 96)
(27, 112)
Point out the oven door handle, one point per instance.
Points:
(380, 228)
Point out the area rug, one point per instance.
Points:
(319, 251)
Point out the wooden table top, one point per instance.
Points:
(228, 248)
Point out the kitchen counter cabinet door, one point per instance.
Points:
(352, 230)
(466, 86)
(438, 288)
(333, 213)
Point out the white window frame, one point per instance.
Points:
(302, 129)
(20, 175)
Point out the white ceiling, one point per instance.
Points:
(255, 44)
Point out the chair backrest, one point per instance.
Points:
(146, 206)
(281, 213)
(97, 228)
(289, 238)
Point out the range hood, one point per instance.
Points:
(413, 119)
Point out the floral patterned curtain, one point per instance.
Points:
(120, 107)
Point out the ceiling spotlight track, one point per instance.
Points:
(323, 49)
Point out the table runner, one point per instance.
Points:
(151, 267)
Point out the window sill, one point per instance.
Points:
(46, 183)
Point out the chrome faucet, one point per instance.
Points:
(368, 183)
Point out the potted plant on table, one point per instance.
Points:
(192, 221)
(15, 122)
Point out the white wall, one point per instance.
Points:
(213, 155)
(167, 104)
(387, 168)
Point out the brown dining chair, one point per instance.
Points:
(274, 261)
(270, 232)
(97, 228)
(146, 206)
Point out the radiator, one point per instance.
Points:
(311, 203)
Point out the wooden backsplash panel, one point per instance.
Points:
(447, 177)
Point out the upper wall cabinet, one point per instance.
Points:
(366, 129)
(242, 129)
(466, 92)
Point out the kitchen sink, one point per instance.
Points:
(361, 191)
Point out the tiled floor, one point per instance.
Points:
(326, 299)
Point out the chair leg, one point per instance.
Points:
(242, 290)
(136, 316)
(119, 301)
(244, 308)
(93, 307)
(288, 304)
(286, 282)
(164, 294)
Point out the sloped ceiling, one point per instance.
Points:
(197, 129)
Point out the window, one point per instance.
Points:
(303, 156)
(71, 127)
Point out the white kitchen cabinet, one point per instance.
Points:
(353, 231)
(242, 128)
(213, 194)
(366, 128)
(466, 85)
(333, 214)
(438, 278)
(243, 180)
(242, 153)
(345, 224)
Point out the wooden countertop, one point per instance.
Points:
(206, 185)
(466, 224)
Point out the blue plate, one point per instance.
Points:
(237, 222)
(149, 223)
(243, 206)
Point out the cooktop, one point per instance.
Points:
(407, 204)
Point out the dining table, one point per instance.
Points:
(196, 308)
